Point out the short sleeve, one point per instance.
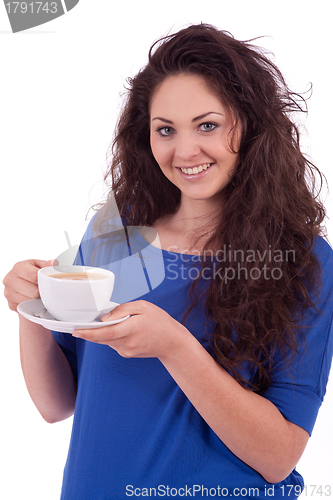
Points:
(298, 390)
(67, 344)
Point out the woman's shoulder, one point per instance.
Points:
(104, 222)
(323, 251)
(324, 254)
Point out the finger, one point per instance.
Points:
(20, 292)
(15, 299)
(41, 264)
(49, 263)
(22, 280)
(128, 308)
(23, 283)
(27, 289)
(105, 334)
(33, 266)
(28, 270)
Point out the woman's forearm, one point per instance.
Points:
(248, 424)
(47, 373)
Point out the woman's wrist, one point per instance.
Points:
(181, 344)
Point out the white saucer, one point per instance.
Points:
(36, 306)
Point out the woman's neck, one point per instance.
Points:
(195, 215)
(189, 227)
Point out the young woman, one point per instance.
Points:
(213, 385)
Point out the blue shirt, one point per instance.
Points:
(135, 433)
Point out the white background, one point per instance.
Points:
(60, 91)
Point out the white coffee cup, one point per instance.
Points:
(75, 293)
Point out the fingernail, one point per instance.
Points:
(76, 334)
(106, 317)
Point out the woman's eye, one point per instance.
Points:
(208, 126)
(165, 131)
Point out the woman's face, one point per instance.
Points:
(189, 137)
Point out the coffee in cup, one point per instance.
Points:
(78, 276)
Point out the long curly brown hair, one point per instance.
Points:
(271, 211)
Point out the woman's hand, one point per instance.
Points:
(21, 282)
(149, 332)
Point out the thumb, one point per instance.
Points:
(49, 263)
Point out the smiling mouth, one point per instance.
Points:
(196, 170)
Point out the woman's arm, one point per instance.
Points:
(47, 373)
(248, 424)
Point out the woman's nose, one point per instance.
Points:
(187, 147)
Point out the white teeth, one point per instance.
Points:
(196, 170)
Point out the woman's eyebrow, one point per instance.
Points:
(162, 120)
(200, 117)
